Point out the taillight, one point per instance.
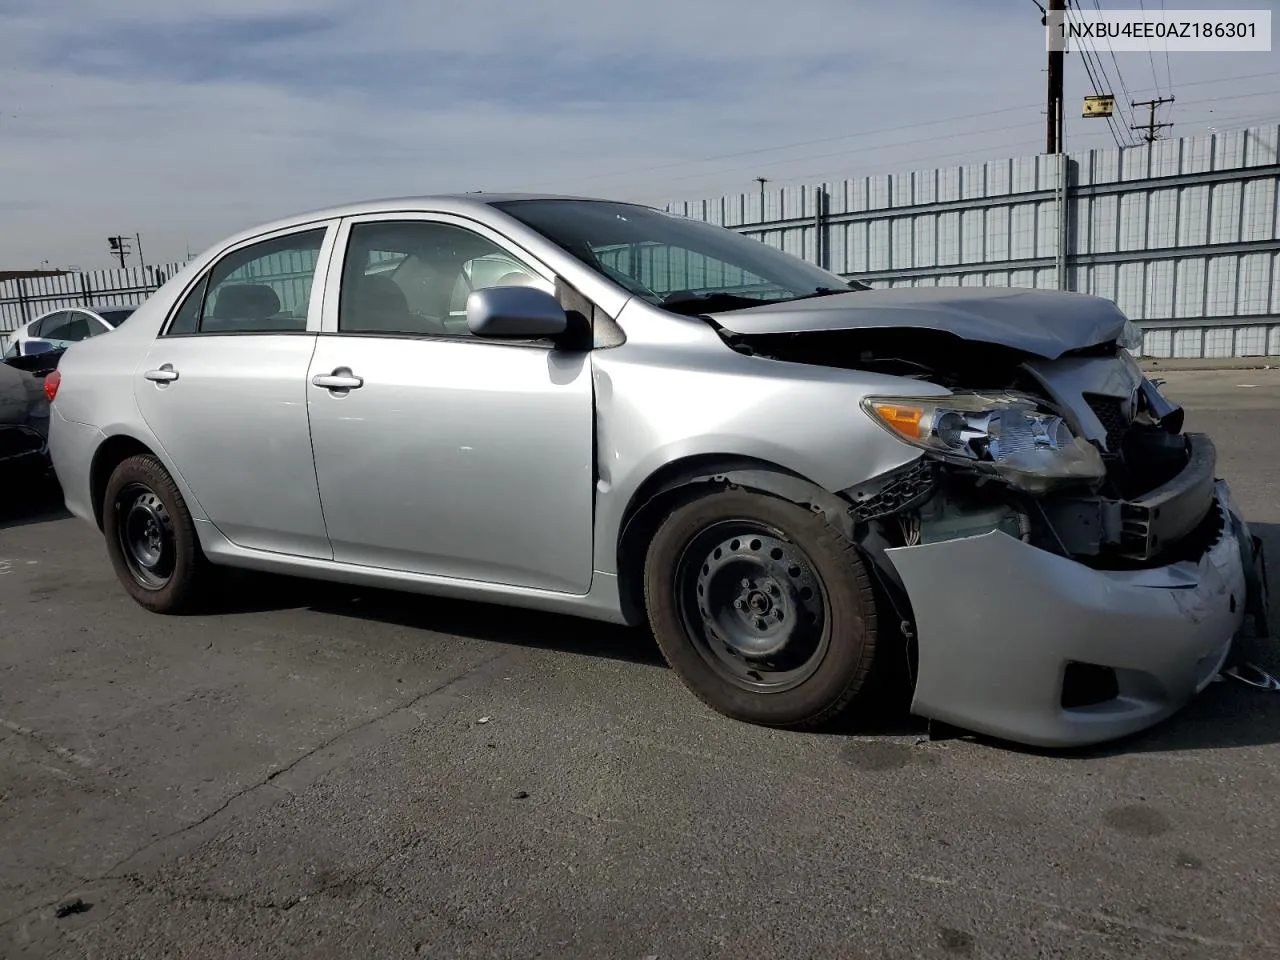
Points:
(51, 383)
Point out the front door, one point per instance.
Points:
(224, 390)
(437, 452)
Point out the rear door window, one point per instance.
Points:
(38, 328)
(261, 288)
(72, 328)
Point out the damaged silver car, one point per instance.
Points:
(602, 409)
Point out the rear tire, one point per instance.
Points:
(764, 610)
(151, 538)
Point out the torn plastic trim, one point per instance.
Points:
(897, 491)
(1251, 675)
(1172, 510)
(1169, 415)
(793, 488)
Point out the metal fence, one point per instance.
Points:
(24, 299)
(1183, 234)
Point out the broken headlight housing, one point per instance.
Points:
(1130, 337)
(1009, 436)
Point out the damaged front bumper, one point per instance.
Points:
(1012, 638)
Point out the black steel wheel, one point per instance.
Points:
(753, 605)
(146, 536)
(151, 538)
(764, 610)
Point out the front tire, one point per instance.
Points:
(763, 609)
(151, 538)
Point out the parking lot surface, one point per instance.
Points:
(320, 771)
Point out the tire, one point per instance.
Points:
(143, 515)
(710, 575)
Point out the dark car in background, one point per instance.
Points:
(24, 418)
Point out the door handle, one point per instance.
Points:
(166, 374)
(340, 379)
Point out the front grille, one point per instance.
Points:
(1110, 413)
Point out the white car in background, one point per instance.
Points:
(58, 329)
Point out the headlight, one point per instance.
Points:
(1130, 337)
(1008, 436)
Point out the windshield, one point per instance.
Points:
(679, 264)
(116, 315)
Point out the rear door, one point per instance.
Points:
(224, 390)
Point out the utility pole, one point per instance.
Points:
(120, 247)
(142, 263)
(1053, 98)
(1151, 126)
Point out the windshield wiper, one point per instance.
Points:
(688, 302)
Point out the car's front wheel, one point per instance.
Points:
(764, 609)
(151, 538)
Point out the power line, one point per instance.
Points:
(1234, 96)
(904, 143)
(806, 143)
(1168, 70)
(1088, 57)
(853, 151)
(905, 163)
(1093, 82)
(1244, 120)
(902, 164)
(1128, 97)
(909, 126)
(1206, 83)
(1151, 56)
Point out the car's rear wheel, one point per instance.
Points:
(764, 609)
(151, 538)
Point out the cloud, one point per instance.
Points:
(186, 123)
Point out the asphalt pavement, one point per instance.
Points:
(321, 772)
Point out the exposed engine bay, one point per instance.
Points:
(1078, 455)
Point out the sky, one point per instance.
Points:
(185, 122)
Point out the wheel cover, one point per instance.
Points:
(145, 532)
(753, 605)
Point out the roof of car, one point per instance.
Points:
(83, 309)
(440, 203)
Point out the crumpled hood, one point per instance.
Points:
(1046, 323)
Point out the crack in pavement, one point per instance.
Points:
(111, 873)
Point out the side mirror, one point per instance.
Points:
(515, 312)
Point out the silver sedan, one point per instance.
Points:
(601, 409)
